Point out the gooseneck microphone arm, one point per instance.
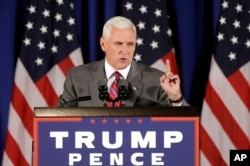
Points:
(72, 103)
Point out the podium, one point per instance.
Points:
(116, 136)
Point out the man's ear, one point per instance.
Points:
(102, 43)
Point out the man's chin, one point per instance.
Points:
(122, 66)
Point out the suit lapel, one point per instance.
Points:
(135, 85)
(97, 75)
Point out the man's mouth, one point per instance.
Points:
(123, 59)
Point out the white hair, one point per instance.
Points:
(117, 22)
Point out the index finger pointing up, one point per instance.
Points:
(168, 67)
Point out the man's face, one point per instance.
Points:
(119, 47)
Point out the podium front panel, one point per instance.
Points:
(132, 138)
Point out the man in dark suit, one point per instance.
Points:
(146, 86)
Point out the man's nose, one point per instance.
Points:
(125, 49)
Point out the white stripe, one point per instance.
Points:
(230, 98)
(6, 160)
(245, 70)
(203, 160)
(76, 57)
(56, 78)
(27, 87)
(20, 134)
(159, 65)
(216, 132)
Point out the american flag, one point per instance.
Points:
(225, 119)
(154, 36)
(49, 49)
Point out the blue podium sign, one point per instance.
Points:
(116, 140)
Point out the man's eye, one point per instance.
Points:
(131, 44)
(118, 44)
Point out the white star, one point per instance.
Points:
(32, 9)
(71, 5)
(71, 21)
(236, 24)
(222, 20)
(41, 45)
(232, 56)
(157, 12)
(141, 25)
(156, 28)
(58, 17)
(27, 41)
(29, 25)
(224, 5)
(56, 33)
(60, 2)
(234, 40)
(169, 32)
(139, 41)
(143, 9)
(129, 6)
(39, 61)
(69, 37)
(238, 8)
(54, 49)
(44, 29)
(154, 44)
(46, 13)
(248, 27)
(137, 57)
(247, 43)
(220, 36)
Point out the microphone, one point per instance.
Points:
(103, 92)
(72, 103)
(123, 91)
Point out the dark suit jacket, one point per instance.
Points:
(143, 86)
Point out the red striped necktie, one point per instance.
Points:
(113, 93)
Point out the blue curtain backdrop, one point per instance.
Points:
(193, 23)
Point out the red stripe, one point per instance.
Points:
(172, 58)
(117, 104)
(109, 104)
(240, 84)
(46, 89)
(66, 64)
(22, 109)
(115, 87)
(112, 95)
(113, 91)
(228, 123)
(13, 151)
(209, 149)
